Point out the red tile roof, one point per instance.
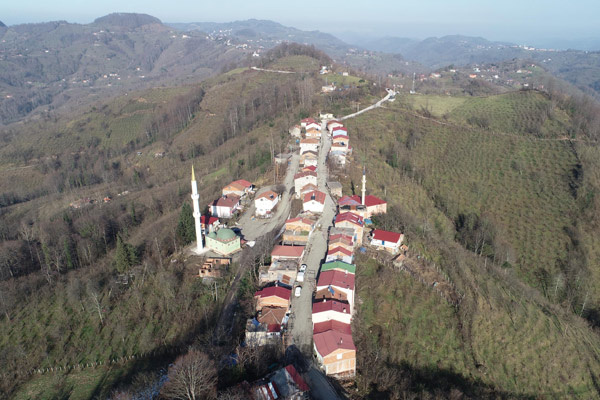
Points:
(387, 236)
(277, 291)
(336, 278)
(308, 120)
(339, 128)
(273, 328)
(310, 140)
(211, 220)
(316, 196)
(341, 250)
(329, 341)
(310, 168)
(330, 305)
(297, 378)
(305, 173)
(287, 251)
(332, 325)
(339, 236)
(342, 239)
(304, 220)
(370, 200)
(243, 182)
(349, 217)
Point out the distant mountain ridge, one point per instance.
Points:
(2, 25)
(49, 65)
(127, 20)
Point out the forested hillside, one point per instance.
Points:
(67, 296)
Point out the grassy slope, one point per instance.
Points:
(512, 338)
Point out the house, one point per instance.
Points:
(224, 241)
(314, 201)
(214, 267)
(325, 116)
(265, 203)
(331, 293)
(225, 206)
(339, 253)
(285, 384)
(313, 133)
(295, 131)
(307, 121)
(327, 88)
(273, 296)
(307, 189)
(340, 241)
(272, 315)
(258, 334)
(338, 266)
(335, 353)
(327, 310)
(350, 204)
(339, 281)
(309, 144)
(335, 188)
(309, 168)
(309, 158)
(209, 223)
(339, 130)
(280, 271)
(339, 148)
(302, 179)
(314, 126)
(334, 123)
(282, 253)
(341, 231)
(298, 230)
(341, 140)
(239, 188)
(386, 240)
(374, 205)
(351, 220)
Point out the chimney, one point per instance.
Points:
(344, 309)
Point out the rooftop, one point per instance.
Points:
(387, 236)
(287, 251)
(332, 325)
(338, 265)
(336, 278)
(277, 291)
(316, 196)
(329, 341)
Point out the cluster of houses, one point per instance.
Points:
(340, 142)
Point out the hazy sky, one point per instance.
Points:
(519, 21)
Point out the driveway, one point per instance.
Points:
(255, 228)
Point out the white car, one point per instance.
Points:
(303, 268)
(298, 291)
(300, 277)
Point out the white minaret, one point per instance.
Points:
(364, 187)
(195, 197)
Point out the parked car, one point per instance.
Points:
(298, 291)
(303, 268)
(300, 277)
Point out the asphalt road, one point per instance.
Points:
(315, 253)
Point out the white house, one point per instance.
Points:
(307, 121)
(313, 125)
(314, 201)
(309, 144)
(265, 203)
(225, 206)
(302, 179)
(385, 240)
(325, 116)
(331, 310)
(333, 124)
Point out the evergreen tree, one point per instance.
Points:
(186, 230)
(125, 255)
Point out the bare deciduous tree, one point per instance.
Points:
(192, 376)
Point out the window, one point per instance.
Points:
(339, 356)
